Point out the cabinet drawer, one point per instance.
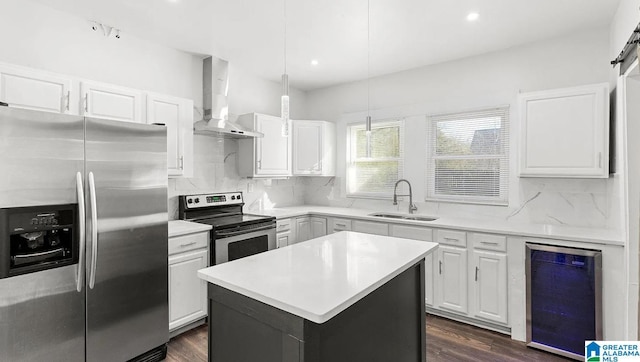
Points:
(411, 232)
(370, 227)
(488, 241)
(450, 237)
(188, 242)
(283, 225)
(340, 225)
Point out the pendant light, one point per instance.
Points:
(368, 119)
(284, 101)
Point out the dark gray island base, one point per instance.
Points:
(386, 325)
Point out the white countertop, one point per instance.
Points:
(319, 278)
(591, 235)
(181, 227)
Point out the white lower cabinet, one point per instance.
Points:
(451, 292)
(335, 225)
(425, 234)
(284, 233)
(490, 286)
(310, 227)
(488, 269)
(187, 292)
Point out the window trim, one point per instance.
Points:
(400, 122)
(504, 159)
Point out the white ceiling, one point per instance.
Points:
(404, 34)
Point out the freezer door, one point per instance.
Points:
(127, 239)
(42, 313)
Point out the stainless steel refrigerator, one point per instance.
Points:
(83, 238)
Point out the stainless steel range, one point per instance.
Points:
(235, 234)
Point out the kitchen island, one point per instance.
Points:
(341, 297)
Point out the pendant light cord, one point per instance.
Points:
(284, 15)
(368, 58)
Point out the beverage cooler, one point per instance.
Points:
(564, 298)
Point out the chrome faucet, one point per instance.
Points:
(412, 207)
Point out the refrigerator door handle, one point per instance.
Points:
(82, 235)
(94, 230)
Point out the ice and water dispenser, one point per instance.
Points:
(37, 238)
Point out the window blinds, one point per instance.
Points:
(468, 156)
(375, 176)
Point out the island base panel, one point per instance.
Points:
(386, 325)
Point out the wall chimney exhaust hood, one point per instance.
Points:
(215, 74)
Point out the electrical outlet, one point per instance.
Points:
(249, 187)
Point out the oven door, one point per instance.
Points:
(238, 244)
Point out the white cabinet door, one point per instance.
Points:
(269, 156)
(307, 148)
(37, 90)
(565, 132)
(187, 292)
(370, 227)
(107, 101)
(452, 279)
(318, 226)
(284, 238)
(303, 229)
(177, 115)
(313, 148)
(490, 286)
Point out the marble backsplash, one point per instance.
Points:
(215, 170)
(569, 202)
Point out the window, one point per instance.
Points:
(375, 176)
(468, 157)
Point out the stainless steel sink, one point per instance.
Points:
(403, 217)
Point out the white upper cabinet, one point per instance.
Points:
(565, 132)
(313, 148)
(269, 156)
(177, 114)
(108, 101)
(36, 90)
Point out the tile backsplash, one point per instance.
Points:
(215, 170)
(570, 202)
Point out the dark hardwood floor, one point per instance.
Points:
(446, 341)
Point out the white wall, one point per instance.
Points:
(482, 81)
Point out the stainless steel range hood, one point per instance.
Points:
(215, 74)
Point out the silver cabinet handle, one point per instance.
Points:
(488, 243)
(342, 225)
(477, 269)
(440, 267)
(68, 99)
(81, 227)
(187, 244)
(181, 163)
(599, 159)
(94, 231)
(259, 165)
(86, 102)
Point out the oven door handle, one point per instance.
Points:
(245, 231)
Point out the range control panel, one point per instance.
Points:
(207, 200)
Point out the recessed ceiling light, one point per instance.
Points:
(473, 16)
(314, 62)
